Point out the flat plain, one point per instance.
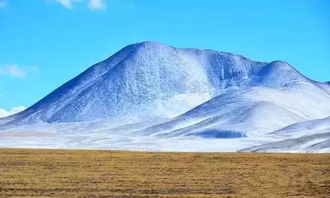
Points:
(99, 173)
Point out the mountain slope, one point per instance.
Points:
(308, 136)
(253, 111)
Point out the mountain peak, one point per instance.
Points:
(279, 62)
(150, 43)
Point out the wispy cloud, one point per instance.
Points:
(97, 5)
(5, 113)
(3, 3)
(92, 4)
(66, 3)
(12, 70)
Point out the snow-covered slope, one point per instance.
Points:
(155, 91)
(325, 86)
(308, 136)
(251, 111)
(310, 125)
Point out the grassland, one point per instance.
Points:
(82, 173)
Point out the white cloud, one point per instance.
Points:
(67, 3)
(4, 113)
(12, 70)
(3, 3)
(92, 4)
(97, 5)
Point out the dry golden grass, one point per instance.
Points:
(82, 173)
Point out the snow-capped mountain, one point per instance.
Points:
(152, 90)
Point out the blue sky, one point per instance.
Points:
(44, 43)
